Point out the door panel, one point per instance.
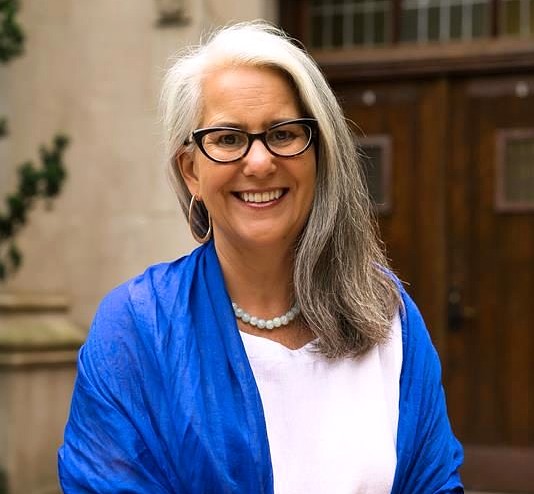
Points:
(489, 366)
(468, 262)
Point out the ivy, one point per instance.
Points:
(11, 35)
(33, 182)
(3, 482)
(43, 182)
(3, 127)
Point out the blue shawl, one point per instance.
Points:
(165, 400)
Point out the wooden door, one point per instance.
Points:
(466, 253)
(489, 366)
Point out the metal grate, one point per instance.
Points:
(517, 17)
(341, 24)
(444, 20)
(345, 23)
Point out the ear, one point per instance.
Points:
(188, 169)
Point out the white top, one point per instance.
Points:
(332, 424)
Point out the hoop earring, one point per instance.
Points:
(207, 235)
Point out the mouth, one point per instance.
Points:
(260, 197)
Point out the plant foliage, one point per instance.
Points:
(44, 181)
(33, 183)
(3, 482)
(11, 35)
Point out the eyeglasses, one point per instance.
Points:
(285, 139)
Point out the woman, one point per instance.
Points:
(281, 355)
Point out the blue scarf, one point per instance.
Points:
(165, 400)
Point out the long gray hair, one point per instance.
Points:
(346, 296)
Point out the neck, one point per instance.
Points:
(259, 279)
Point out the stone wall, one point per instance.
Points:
(93, 70)
(38, 348)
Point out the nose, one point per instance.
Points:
(258, 162)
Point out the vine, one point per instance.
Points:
(44, 181)
(33, 183)
(11, 35)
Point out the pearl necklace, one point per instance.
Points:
(275, 322)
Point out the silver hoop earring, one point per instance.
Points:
(192, 222)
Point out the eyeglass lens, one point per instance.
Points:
(231, 144)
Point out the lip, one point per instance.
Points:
(260, 197)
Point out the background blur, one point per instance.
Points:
(442, 96)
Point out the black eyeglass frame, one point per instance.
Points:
(312, 123)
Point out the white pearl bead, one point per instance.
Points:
(276, 322)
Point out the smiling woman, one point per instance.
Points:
(282, 355)
(258, 199)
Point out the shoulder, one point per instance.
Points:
(415, 336)
(421, 367)
(418, 347)
(133, 314)
(154, 287)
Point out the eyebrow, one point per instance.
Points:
(235, 125)
(225, 124)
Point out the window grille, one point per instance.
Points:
(444, 20)
(515, 170)
(341, 24)
(517, 17)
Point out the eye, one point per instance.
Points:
(229, 139)
(282, 136)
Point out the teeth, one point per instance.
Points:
(259, 197)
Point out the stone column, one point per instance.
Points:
(38, 350)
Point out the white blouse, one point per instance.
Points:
(332, 424)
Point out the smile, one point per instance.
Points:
(260, 197)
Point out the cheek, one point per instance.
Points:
(213, 181)
(309, 176)
(312, 178)
(202, 171)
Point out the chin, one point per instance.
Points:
(269, 238)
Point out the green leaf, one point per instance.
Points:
(53, 169)
(6, 227)
(17, 208)
(11, 35)
(28, 180)
(15, 256)
(3, 127)
(61, 141)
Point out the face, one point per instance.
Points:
(260, 200)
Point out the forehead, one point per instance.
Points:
(245, 93)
